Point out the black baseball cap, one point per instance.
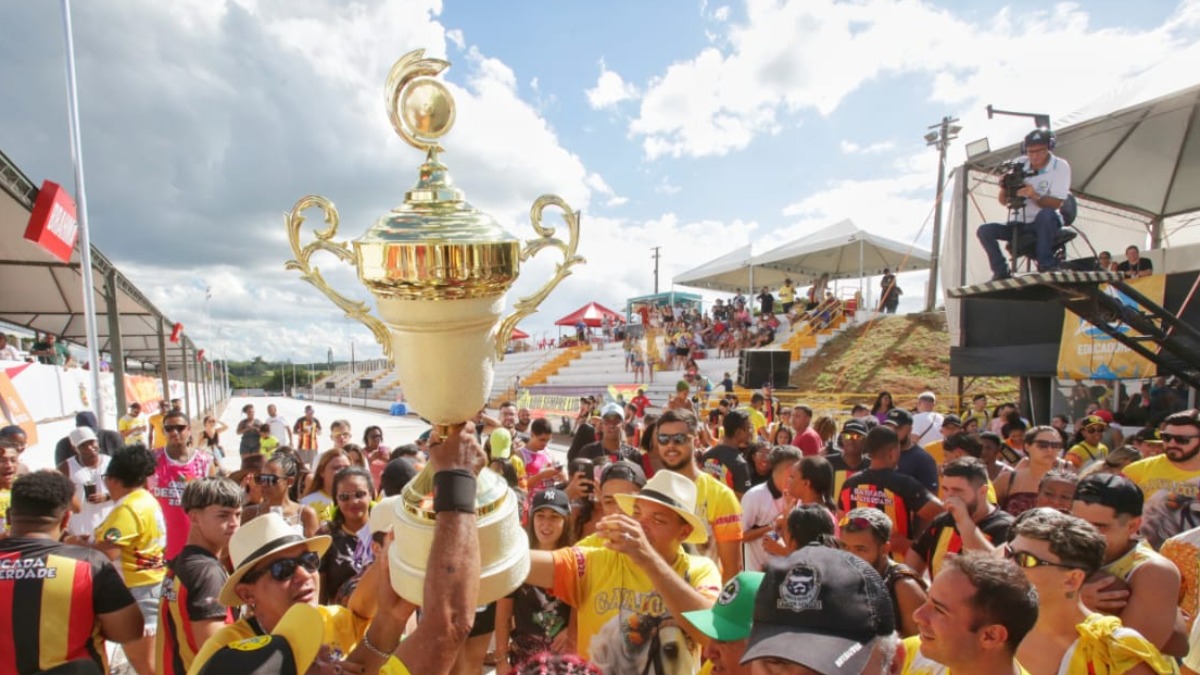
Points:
(1116, 492)
(898, 417)
(854, 427)
(553, 499)
(623, 470)
(952, 419)
(821, 608)
(289, 649)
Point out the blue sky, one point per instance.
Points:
(698, 127)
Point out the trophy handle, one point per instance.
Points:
(529, 304)
(354, 309)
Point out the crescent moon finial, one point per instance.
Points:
(419, 107)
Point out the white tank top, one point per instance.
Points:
(90, 515)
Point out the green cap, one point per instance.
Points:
(730, 617)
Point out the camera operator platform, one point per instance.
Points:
(1034, 190)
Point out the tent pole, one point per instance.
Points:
(862, 279)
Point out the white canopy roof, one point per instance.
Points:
(730, 272)
(1138, 146)
(843, 251)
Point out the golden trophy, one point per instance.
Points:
(439, 270)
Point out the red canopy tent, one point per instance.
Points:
(591, 314)
(519, 334)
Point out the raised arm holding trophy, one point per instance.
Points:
(439, 270)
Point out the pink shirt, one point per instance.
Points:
(167, 484)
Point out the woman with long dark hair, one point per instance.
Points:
(531, 620)
(276, 481)
(350, 549)
(585, 434)
(883, 403)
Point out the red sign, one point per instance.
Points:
(176, 331)
(52, 225)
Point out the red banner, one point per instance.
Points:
(176, 331)
(53, 225)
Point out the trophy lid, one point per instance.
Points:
(421, 111)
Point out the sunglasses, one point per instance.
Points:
(1049, 445)
(855, 524)
(282, 570)
(1029, 561)
(347, 496)
(851, 436)
(1094, 429)
(174, 427)
(1182, 439)
(266, 479)
(678, 439)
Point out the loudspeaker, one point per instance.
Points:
(366, 383)
(757, 367)
(330, 385)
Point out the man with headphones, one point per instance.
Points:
(1047, 185)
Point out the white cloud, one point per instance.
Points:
(598, 185)
(456, 36)
(852, 148)
(278, 100)
(788, 57)
(721, 13)
(665, 187)
(610, 89)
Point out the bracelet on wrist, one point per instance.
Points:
(371, 647)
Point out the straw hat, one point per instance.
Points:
(676, 492)
(261, 537)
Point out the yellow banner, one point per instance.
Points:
(1088, 353)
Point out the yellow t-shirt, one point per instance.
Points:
(160, 436)
(1105, 647)
(125, 423)
(1169, 492)
(916, 663)
(620, 613)
(757, 419)
(136, 525)
(1086, 454)
(719, 508)
(343, 630)
(5, 502)
(787, 293)
(322, 503)
(268, 445)
(981, 417)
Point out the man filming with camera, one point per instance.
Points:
(1033, 190)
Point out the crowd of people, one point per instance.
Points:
(756, 538)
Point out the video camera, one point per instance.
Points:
(1013, 175)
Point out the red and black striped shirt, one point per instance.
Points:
(50, 595)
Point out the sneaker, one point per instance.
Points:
(1001, 276)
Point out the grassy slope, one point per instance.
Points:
(901, 354)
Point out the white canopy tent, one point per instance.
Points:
(730, 272)
(843, 251)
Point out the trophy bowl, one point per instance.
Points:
(439, 270)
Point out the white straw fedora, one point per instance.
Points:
(678, 493)
(257, 539)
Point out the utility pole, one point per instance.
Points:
(941, 135)
(657, 254)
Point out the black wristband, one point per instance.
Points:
(454, 490)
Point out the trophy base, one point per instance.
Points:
(503, 543)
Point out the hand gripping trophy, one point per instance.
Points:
(439, 270)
